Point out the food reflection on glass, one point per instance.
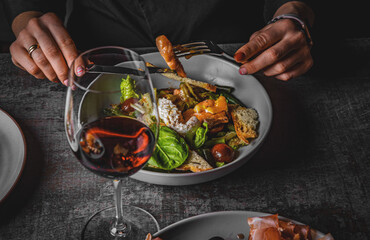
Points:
(120, 145)
(113, 147)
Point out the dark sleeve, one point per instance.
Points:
(15, 7)
(272, 5)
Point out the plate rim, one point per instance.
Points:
(270, 110)
(23, 159)
(230, 212)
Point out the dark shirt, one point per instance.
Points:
(136, 23)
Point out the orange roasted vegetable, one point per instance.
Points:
(188, 114)
(165, 48)
(213, 112)
(212, 119)
(212, 106)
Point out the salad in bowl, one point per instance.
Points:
(202, 126)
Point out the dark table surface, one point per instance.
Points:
(314, 166)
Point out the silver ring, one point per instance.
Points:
(32, 48)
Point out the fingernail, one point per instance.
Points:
(242, 71)
(239, 57)
(80, 71)
(65, 82)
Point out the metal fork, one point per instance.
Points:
(188, 50)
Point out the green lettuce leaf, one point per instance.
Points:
(128, 88)
(197, 135)
(190, 135)
(201, 136)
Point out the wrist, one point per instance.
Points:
(302, 10)
(21, 21)
(301, 24)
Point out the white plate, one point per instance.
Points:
(226, 225)
(221, 72)
(12, 153)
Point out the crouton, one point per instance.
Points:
(195, 163)
(245, 122)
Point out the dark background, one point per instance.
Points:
(334, 22)
(6, 36)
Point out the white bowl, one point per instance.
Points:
(220, 72)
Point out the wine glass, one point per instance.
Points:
(111, 122)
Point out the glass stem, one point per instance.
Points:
(119, 227)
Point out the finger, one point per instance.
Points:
(42, 62)
(268, 57)
(16, 63)
(61, 36)
(21, 58)
(79, 66)
(258, 32)
(288, 62)
(259, 43)
(239, 56)
(295, 71)
(24, 61)
(50, 50)
(79, 69)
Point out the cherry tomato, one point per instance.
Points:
(221, 152)
(126, 105)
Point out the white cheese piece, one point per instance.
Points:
(171, 116)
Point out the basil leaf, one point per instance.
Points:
(189, 136)
(201, 136)
(171, 150)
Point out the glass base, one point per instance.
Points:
(139, 224)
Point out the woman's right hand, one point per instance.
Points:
(56, 49)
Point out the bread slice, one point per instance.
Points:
(195, 163)
(207, 86)
(245, 122)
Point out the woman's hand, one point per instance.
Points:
(279, 49)
(56, 49)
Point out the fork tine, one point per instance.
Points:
(186, 45)
(193, 52)
(189, 49)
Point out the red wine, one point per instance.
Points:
(115, 147)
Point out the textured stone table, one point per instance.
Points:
(314, 166)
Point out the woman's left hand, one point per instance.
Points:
(279, 49)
